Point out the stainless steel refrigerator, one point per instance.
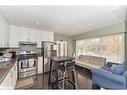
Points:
(47, 51)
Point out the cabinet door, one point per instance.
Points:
(39, 38)
(4, 32)
(1, 31)
(47, 36)
(24, 34)
(14, 36)
(14, 75)
(51, 36)
(27, 34)
(10, 80)
(32, 35)
(39, 64)
(44, 36)
(6, 83)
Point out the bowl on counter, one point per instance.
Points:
(4, 62)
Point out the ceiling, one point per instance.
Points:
(68, 20)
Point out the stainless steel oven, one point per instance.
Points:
(27, 65)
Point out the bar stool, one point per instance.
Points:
(65, 69)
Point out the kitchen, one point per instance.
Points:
(16, 38)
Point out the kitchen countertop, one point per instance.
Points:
(4, 71)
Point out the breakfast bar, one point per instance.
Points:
(57, 60)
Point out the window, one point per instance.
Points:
(111, 47)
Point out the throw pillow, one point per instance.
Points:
(118, 69)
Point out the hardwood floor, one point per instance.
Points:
(83, 81)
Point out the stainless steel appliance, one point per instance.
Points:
(27, 59)
(61, 47)
(47, 51)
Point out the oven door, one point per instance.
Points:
(27, 65)
(24, 64)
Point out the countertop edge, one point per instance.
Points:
(6, 72)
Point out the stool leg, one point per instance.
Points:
(50, 70)
(67, 79)
(74, 79)
(63, 77)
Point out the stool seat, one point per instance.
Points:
(68, 66)
(65, 69)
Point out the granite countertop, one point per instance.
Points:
(4, 71)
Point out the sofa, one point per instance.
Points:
(90, 62)
(111, 76)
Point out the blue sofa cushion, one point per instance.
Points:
(106, 68)
(118, 69)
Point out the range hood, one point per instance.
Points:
(27, 43)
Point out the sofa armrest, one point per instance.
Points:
(108, 75)
(125, 76)
(110, 64)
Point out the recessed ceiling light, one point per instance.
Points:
(37, 23)
(90, 24)
(72, 31)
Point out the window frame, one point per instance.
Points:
(99, 37)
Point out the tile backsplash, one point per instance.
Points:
(17, 50)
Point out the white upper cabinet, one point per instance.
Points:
(33, 35)
(4, 32)
(39, 40)
(1, 31)
(24, 34)
(47, 36)
(10, 35)
(14, 36)
(18, 33)
(50, 36)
